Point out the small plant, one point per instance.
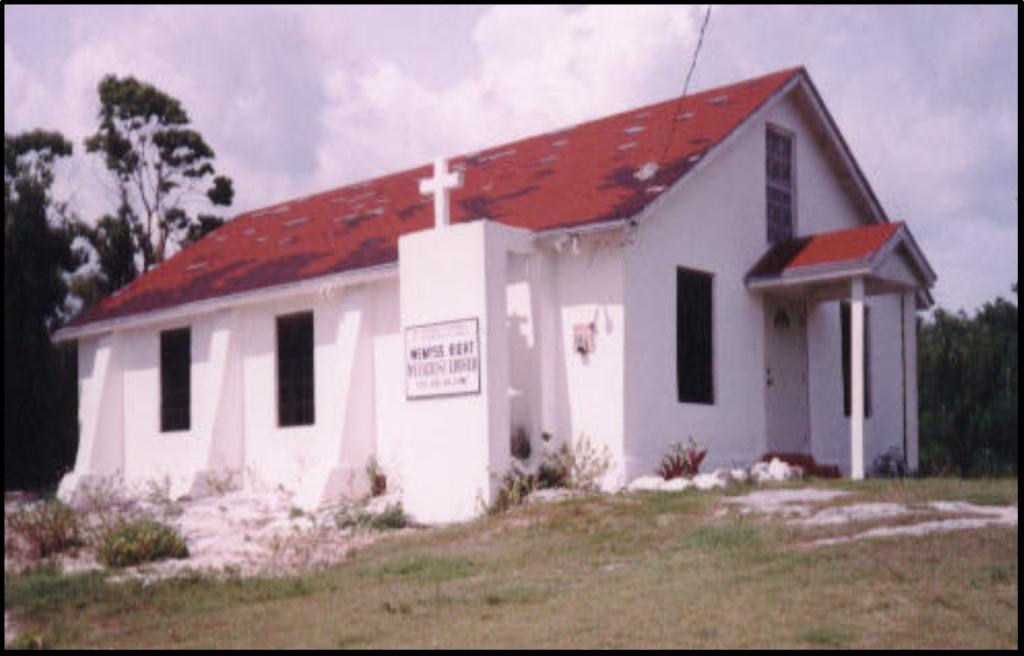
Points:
(552, 474)
(44, 529)
(106, 500)
(580, 467)
(378, 481)
(392, 517)
(682, 461)
(515, 486)
(131, 542)
(158, 495)
(890, 464)
(519, 444)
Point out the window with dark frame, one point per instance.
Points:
(175, 379)
(295, 390)
(844, 319)
(693, 337)
(779, 185)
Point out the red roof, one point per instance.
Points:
(827, 248)
(588, 173)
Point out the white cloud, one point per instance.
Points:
(537, 68)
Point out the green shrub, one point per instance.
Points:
(392, 517)
(44, 529)
(131, 542)
(580, 467)
(967, 373)
(515, 486)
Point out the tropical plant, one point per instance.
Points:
(682, 461)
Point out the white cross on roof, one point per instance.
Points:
(439, 185)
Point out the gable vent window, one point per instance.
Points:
(693, 336)
(295, 398)
(844, 319)
(175, 379)
(779, 185)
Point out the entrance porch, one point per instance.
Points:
(801, 281)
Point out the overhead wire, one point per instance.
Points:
(686, 86)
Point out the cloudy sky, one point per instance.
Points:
(300, 99)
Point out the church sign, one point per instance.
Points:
(442, 359)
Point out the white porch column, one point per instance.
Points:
(857, 379)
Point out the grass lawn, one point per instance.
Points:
(644, 570)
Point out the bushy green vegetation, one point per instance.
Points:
(134, 541)
(967, 385)
(393, 517)
(579, 467)
(42, 530)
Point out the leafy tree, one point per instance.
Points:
(968, 373)
(114, 243)
(164, 172)
(40, 394)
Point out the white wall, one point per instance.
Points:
(589, 289)
(327, 458)
(101, 435)
(213, 440)
(712, 222)
(233, 415)
(910, 358)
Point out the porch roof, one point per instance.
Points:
(821, 265)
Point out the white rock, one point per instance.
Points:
(676, 485)
(759, 472)
(708, 481)
(647, 483)
(775, 471)
(739, 475)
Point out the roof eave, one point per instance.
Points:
(323, 285)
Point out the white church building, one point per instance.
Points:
(715, 266)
